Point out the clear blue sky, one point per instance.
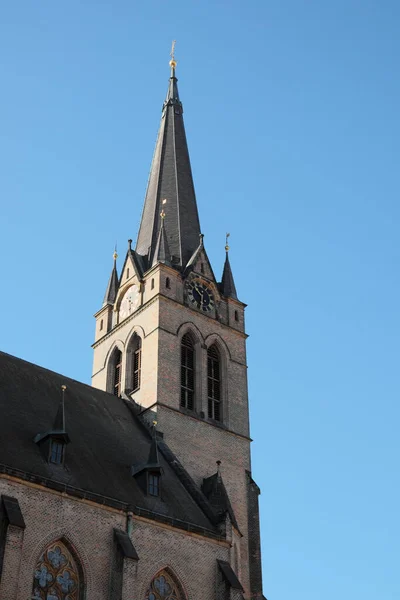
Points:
(292, 117)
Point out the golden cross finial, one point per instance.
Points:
(162, 213)
(115, 255)
(226, 242)
(172, 62)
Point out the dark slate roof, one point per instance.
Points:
(229, 575)
(227, 286)
(106, 439)
(215, 491)
(12, 511)
(170, 178)
(125, 543)
(112, 287)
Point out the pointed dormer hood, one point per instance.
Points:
(170, 178)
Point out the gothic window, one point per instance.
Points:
(134, 364)
(117, 373)
(152, 284)
(101, 325)
(164, 587)
(168, 283)
(214, 384)
(57, 575)
(236, 315)
(187, 372)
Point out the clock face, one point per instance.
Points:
(200, 295)
(129, 302)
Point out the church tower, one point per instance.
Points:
(170, 337)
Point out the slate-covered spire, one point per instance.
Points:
(153, 460)
(228, 288)
(162, 253)
(170, 178)
(112, 287)
(59, 421)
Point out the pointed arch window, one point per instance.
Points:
(134, 364)
(164, 587)
(214, 384)
(187, 372)
(117, 373)
(58, 575)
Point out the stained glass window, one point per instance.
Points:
(56, 576)
(164, 587)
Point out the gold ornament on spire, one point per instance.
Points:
(115, 255)
(172, 62)
(226, 242)
(162, 213)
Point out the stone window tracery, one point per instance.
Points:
(164, 587)
(56, 576)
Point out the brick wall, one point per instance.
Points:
(89, 530)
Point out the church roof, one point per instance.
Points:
(171, 179)
(106, 438)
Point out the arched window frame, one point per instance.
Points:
(54, 565)
(188, 375)
(215, 383)
(133, 371)
(115, 359)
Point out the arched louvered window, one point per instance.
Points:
(117, 373)
(134, 364)
(137, 365)
(187, 372)
(214, 384)
(57, 575)
(165, 587)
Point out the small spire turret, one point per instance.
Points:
(59, 421)
(161, 253)
(228, 287)
(112, 286)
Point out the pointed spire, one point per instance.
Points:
(153, 460)
(170, 177)
(162, 253)
(112, 287)
(228, 287)
(59, 421)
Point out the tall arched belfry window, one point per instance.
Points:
(214, 384)
(187, 372)
(165, 587)
(57, 575)
(117, 373)
(133, 364)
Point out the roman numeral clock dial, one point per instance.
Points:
(200, 295)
